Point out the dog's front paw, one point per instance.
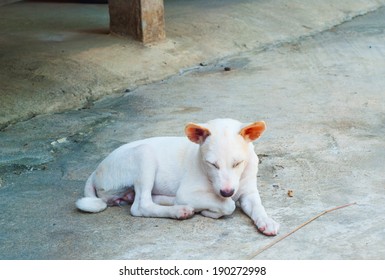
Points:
(184, 212)
(267, 226)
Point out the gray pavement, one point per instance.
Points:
(59, 56)
(322, 99)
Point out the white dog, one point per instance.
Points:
(176, 177)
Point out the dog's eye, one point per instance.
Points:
(214, 164)
(237, 164)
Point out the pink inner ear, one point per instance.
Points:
(197, 134)
(254, 131)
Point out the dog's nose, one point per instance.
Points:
(227, 193)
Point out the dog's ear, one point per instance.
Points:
(253, 131)
(196, 133)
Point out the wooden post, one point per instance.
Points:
(141, 19)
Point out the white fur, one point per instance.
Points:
(91, 204)
(175, 178)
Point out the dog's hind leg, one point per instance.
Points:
(143, 184)
(145, 206)
(163, 199)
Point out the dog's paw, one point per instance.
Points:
(267, 226)
(184, 212)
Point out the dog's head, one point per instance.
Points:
(224, 149)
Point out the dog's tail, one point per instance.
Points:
(90, 203)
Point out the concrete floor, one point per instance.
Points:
(320, 91)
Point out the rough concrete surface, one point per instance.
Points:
(319, 91)
(60, 56)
